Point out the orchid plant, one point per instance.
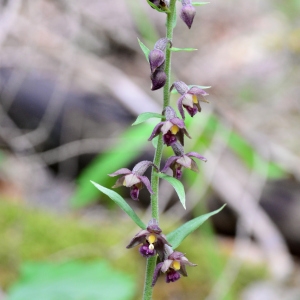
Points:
(157, 248)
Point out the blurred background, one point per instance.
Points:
(72, 81)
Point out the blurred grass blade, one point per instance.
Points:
(177, 236)
(177, 185)
(146, 116)
(122, 203)
(199, 3)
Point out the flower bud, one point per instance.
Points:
(156, 59)
(187, 14)
(158, 79)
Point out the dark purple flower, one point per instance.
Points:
(134, 179)
(180, 160)
(173, 266)
(152, 240)
(190, 98)
(187, 13)
(173, 128)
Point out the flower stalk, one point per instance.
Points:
(151, 262)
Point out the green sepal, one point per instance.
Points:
(174, 49)
(122, 203)
(145, 116)
(177, 185)
(199, 3)
(176, 237)
(145, 49)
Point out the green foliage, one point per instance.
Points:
(177, 236)
(145, 49)
(146, 116)
(177, 185)
(122, 204)
(72, 280)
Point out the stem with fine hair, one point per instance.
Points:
(151, 261)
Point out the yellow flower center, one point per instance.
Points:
(175, 265)
(151, 239)
(174, 129)
(195, 100)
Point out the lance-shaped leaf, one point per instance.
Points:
(178, 235)
(122, 203)
(145, 49)
(177, 185)
(146, 116)
(174, 49)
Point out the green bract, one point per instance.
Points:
(177, 185)
(177, 236)
(122, 203)
(146, 116)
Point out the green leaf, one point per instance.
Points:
(145, 116)
(178, 235)
(72, 280)
(145, 49)
(174, 49)
(122, 203)
(199, 3)
(177, 185)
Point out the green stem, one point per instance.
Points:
(151, 262)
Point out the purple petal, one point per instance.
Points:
(156, 273)
(178, 122)
(179, 105)
(156, 130)
(187, 14)
(181, 87)
(197, 155)
(142, 166)
(139, 238)
(122, 171)
(169, 162)
(172, 276)
(156, 59)
(197, 91)
(170, 113)
(146, 182)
